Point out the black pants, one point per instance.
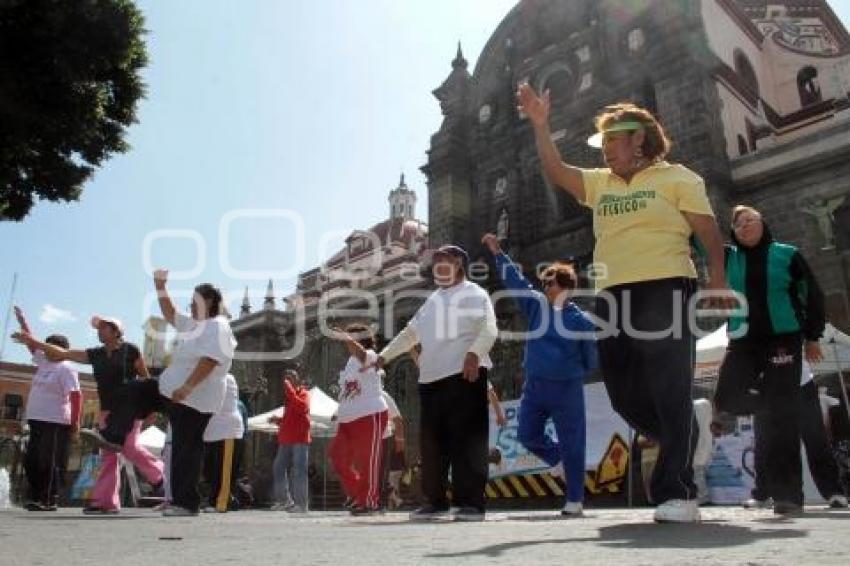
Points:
(453, 434)
(649, 377)
(822, 463)
(46, 460)
(139, 399)
(763, 378)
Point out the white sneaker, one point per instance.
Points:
(677, 511)
(175, 511)
(572, 509)
(838, 501)
(282, 506)
(557, 471)
(753, 503)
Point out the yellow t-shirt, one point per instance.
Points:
(641, 233)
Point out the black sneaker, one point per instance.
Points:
(358, 511)
(429, 513)
(94, 510)
(468, 514)
(787, 509)
(36, 506)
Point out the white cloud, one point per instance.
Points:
(55, 315)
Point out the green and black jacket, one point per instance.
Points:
(784, 296)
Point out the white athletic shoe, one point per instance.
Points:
(838, 501)
(468, 514)
(557, 471)
(572, 509)
(677, 511)
(175, 511)
(282, 506)
(753, 503)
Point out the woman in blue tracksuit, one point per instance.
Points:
(559, 351)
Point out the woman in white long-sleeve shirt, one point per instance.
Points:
(456, 328)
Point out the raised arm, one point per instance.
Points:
(22, 323)
(401, 344)
(559, 173)
(354, 347)
(160, 277)
(55, 352)
(527, 298)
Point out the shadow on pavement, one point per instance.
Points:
(649, 535)
(45, 517)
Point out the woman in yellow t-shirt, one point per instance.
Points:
(644, 212)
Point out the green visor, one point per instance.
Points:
(630, 126)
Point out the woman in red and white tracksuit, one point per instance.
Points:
(362, 415)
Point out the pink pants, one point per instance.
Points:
(105, 493)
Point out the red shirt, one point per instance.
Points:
(294, 427)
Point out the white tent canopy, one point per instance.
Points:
(322, 408)
(153, 439)
(835, 345)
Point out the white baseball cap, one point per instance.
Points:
(97, 319)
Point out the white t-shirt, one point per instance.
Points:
(49, 397)
(210, 338)
(227, 422)
(392, 413)
(448, 325)
(360, 392)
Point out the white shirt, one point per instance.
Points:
(49, 397)
(451, 323)
(210, 338)
(393, 412)
(360, 392)
(227, 422)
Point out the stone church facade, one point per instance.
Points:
(753, 93)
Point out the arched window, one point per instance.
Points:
(808, 87)
(745, 70)
(558, 78)
(742, 145)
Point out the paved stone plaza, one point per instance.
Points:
(610, 536)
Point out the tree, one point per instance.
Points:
(70, 81)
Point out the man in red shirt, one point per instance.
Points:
(293, 450)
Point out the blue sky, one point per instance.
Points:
(312, 107)
(290, 105)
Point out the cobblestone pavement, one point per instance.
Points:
(611, 536)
